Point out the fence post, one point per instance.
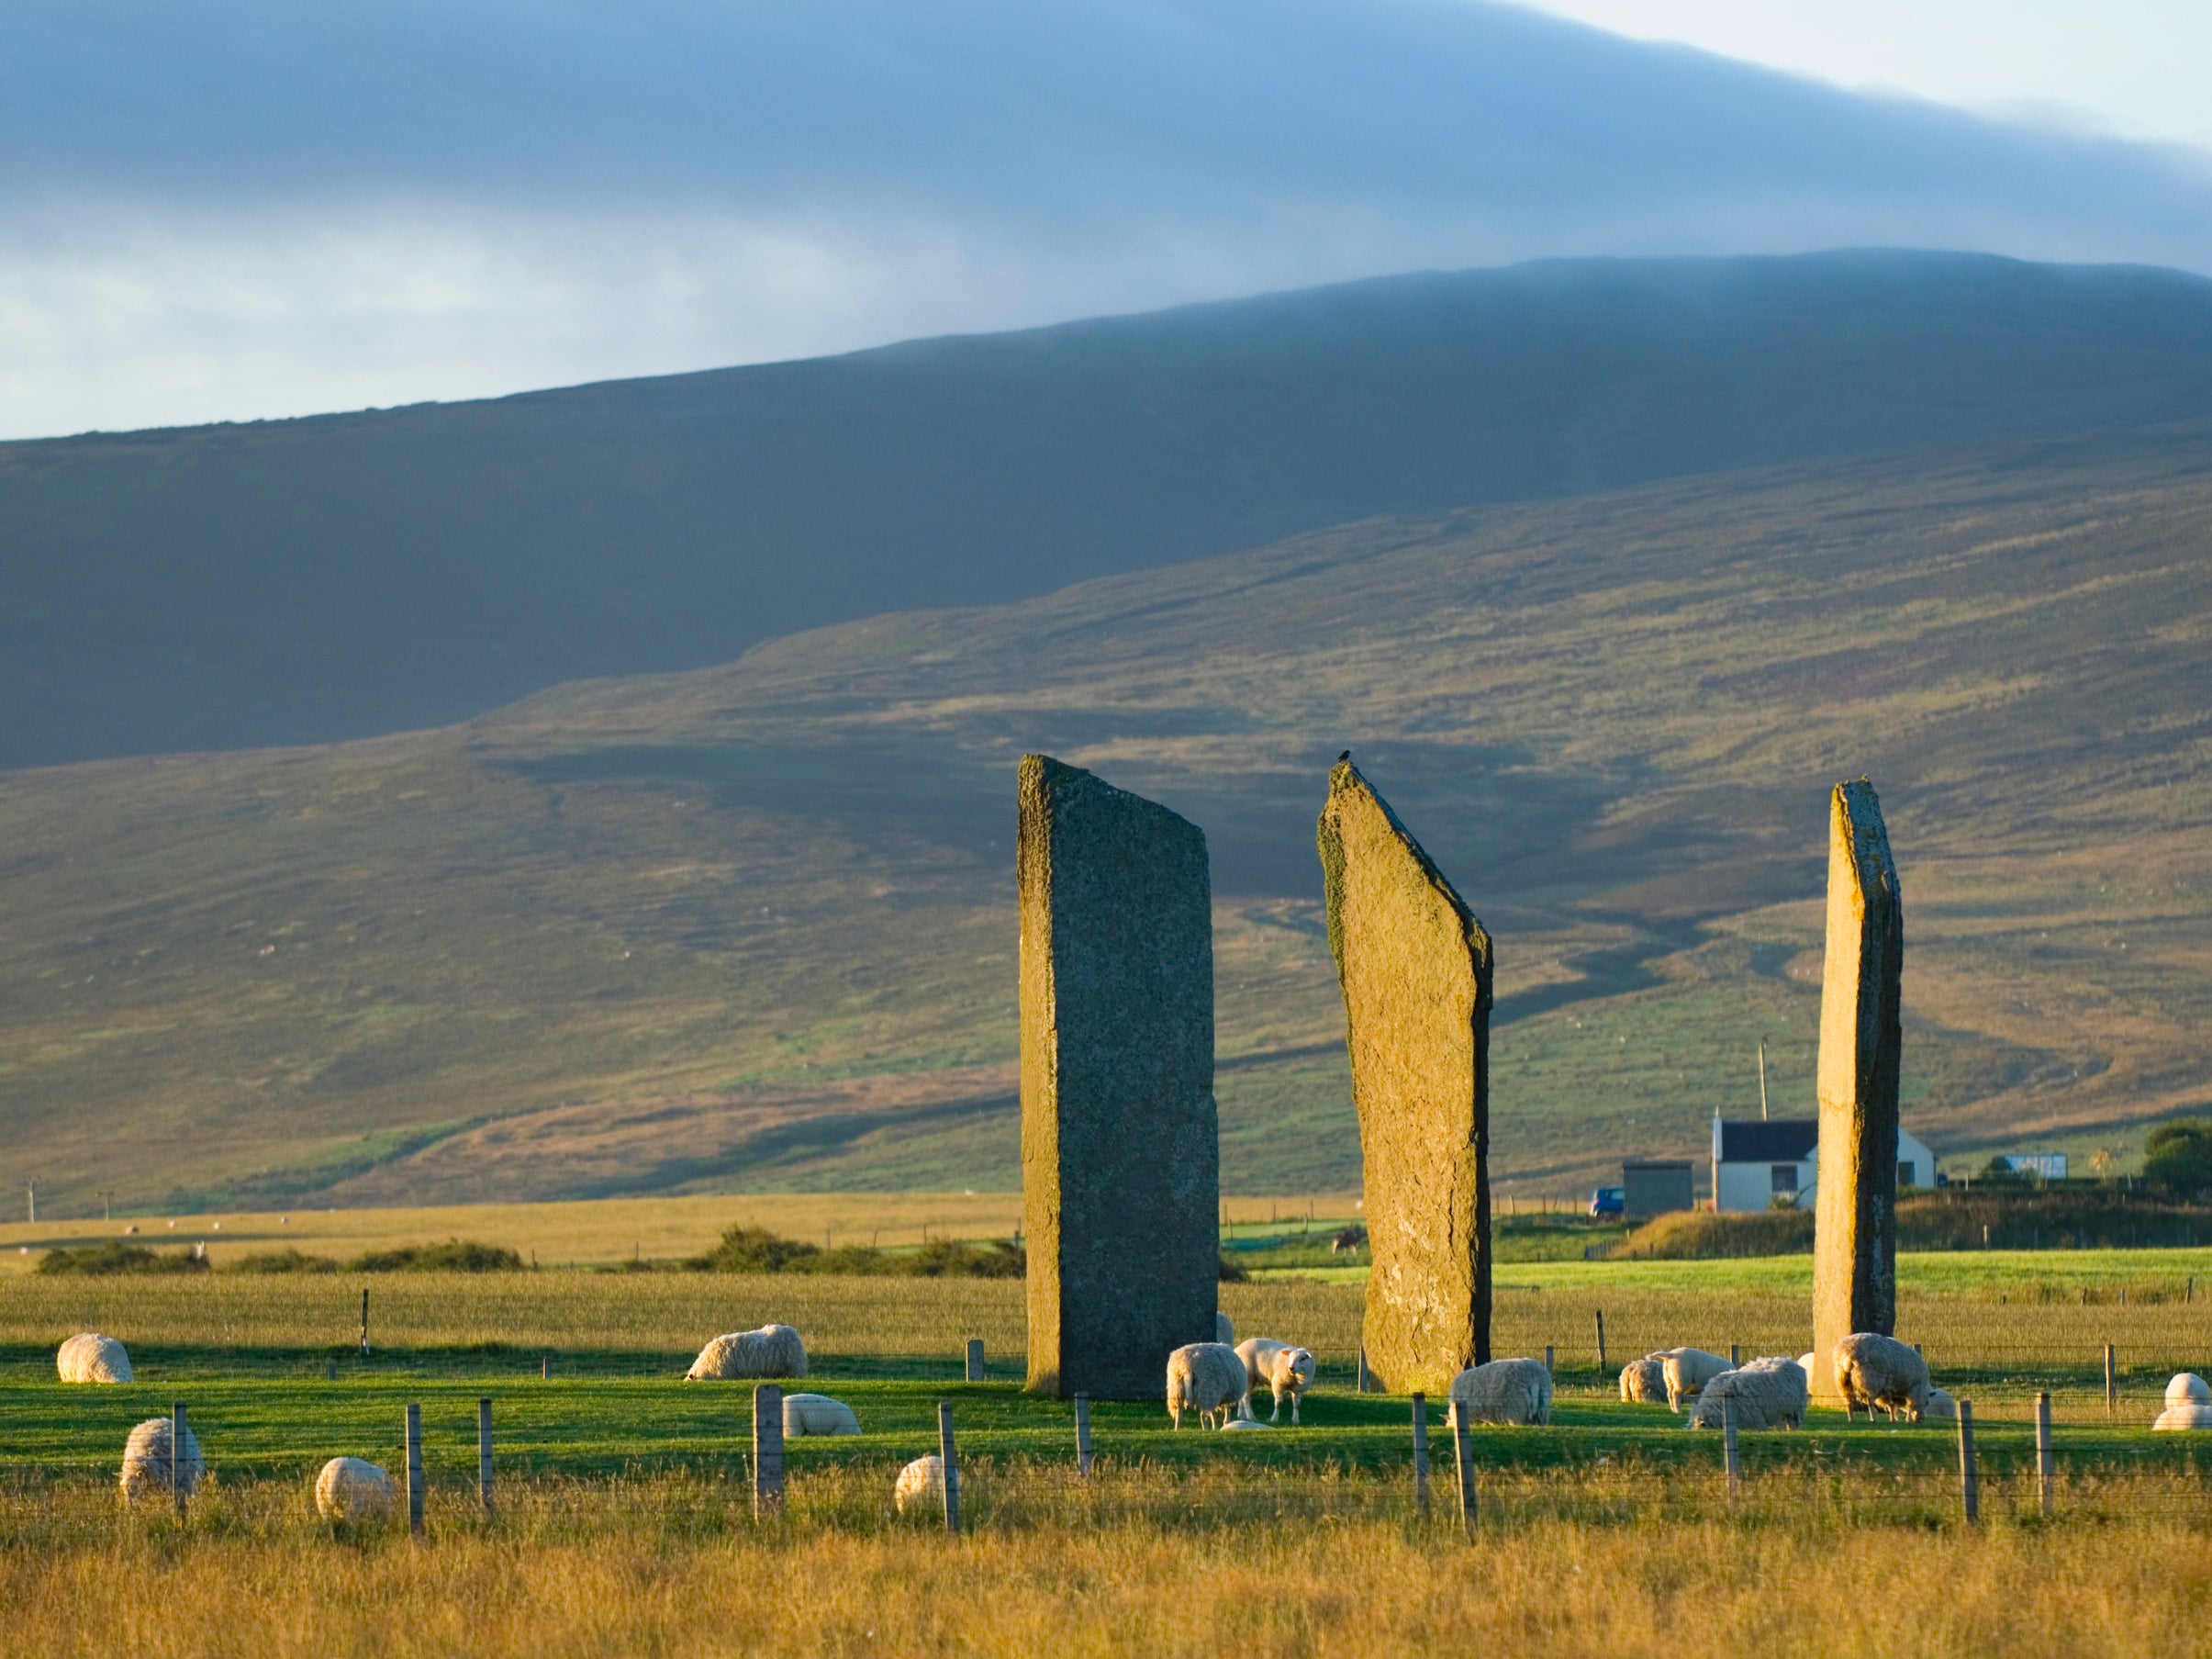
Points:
(1083, 1436)
(1547, 1356)
(1736, 1356)
(2112, 1381)
(1603, 1367)
(1420, 1451)
(1463, 1460)
(484, 1454)
(2046, 1463)
(176, 1456)
(952, 1465)
(1969, 1488)
(545, 1368)
(414, 1492)
(975, 1359)
(767, 1448)
(1363, 1371)
(364, 1321)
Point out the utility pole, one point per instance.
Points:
(30, 1191)
(1762, 1080)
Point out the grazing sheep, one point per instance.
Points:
(773, 1351)
(1224, 1331)
(1765, 1394)
(1872, 1370)
(1810, 1361)
(1504, 1391)
(1940, 1406)
(1351, 1238)
(921, 1482)
(2184, 1416)
(146, 1464)
(1284, 1369)
(2186, 1389)
(806, 1413)
(89, 1357)
(1644, 1380)
(1208, 1378)
(350, 1489)
(1688, 1370)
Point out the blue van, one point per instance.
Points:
(1609, 1201)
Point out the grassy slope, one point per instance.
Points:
(753, 926)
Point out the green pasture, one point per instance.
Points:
(2154, 1274)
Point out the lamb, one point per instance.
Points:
(806, 1413)
(921, 1482)
(773, 1351)
(2191, 1416)
(1644, 1380)
(1688, 1370)
(146, 1462)
(2186, 1389)
(1504, 1391)
(89, 1357)
(1874, 1370)
(1765, 1394)
(1224, 1332)
(1208, 1378)
(354, 1490)
(1284, 1369)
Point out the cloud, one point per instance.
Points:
(237, 208)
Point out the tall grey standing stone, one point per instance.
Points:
(1862, 1038)
(1414, 965)
(1121, 1160)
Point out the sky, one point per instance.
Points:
(231, 209)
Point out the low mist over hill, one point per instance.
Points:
(753, 925)
(303, 581)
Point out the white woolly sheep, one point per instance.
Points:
(146, 1464)
(1208, 1378)
(1810, 1361)
(921, 1482)
(348, 1488)
(1940, 1406)
(806, 1413)
(1224, 1330)
(1874, 1370)
(1503, 1391)
(1765, 1394)
(1283, 1368)
(2184, 1416)
(773, 1351)
(2186, 1389)
(89, 1357)
(1644, 1381)
(1688, 1370)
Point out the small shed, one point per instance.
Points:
(1655, 1186)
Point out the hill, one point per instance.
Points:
(752, 926)
(309, 580)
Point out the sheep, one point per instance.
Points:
(1504, 1391)
(2186, 1389)
(921, 1482)
(1243, 1422)
(1284, 1369)
(773, 1351)
(806, 1413)
(350, 1489)
(1224, 1332)
(89, 1357)
(146, 1461)
(1872, 1370)
(1940, 1406)
(2184, 1416)
(1765, 1394)
(1208, 1378)
(1643, 1380)
(1687, 1371)
(1811, 1362)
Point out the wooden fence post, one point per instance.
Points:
(1463, 1457)
(1548, 1353)
(484, 1454)
(975, 1359)
(414, 1446)
(364, 1321)
(1736, 1356)
(1970, 1490)
(2046, 1463)
(1603, 1367)
(2112, 1381)
(545, 1368)
(767, 1448)
(1420, 1451)
(176, 1456)
(1083, 1436)
(1731, 1460)
(952, 1465)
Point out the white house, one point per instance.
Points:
(1756, 1162)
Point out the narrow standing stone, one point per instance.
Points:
(1855, 1228)
(1121, 1160)
(1414, 966)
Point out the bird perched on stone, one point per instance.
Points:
(1346, 754)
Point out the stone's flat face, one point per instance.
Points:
(1415, 970)
(1120, 1157)
(1855, 1237)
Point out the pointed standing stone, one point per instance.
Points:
(1855, 1228)
(1121, 1160)
(1414, 966)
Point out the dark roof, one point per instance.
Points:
(1783, 1140)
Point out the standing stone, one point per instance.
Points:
(1121, 1160)
(1415, 968)
(1855, 1228)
